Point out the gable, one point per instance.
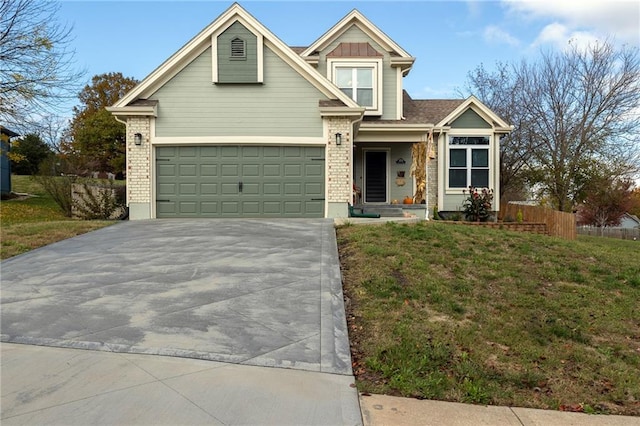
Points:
(205, 40)
(285, 105)
(400, 57)
(470, 120)
(237, 55)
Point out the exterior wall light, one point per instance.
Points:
(137, 138)
(338, 138)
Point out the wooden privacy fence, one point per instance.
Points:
(559, 224)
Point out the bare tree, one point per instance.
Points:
(574, 112)
(581, 106)
(36, 63)
(499, 91)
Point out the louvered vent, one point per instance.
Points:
(238, 48)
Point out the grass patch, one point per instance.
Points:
(487, 316)
(35, 221)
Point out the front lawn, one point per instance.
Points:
(35, 221)
(487, 316)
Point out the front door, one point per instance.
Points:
(375, 176)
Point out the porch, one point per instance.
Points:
(395, 210)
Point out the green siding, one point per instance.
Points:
(453, 202)
(389, 78)
(470, 120)
(285, 105)
(240, 181)
(234, 70)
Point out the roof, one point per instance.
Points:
(203, 40)
(399, 56)
(354, 50)
(331, 103)
(8, 132)
(421, 111)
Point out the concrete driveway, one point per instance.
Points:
(254, 292)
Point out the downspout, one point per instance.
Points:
(426, 182)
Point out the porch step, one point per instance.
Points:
(385, 211)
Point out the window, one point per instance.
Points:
(360, 80)
(238, 49)
(468, 161)
(357, 83)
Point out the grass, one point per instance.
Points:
(493, 317)
(28, 223)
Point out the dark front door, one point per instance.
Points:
(375, 174)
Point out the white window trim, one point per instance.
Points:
(447, 163)
(376, 64)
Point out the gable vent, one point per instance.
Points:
(238, 48)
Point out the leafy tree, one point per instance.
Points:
(608, 199)
(571, 109)
(36, 63)
(32, 151)
(95, 135)
(635, 202)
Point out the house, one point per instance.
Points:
(239, 124)
(5, 163)
(629, 221)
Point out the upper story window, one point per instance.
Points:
(357, 83)
(361, 81)
(238, 48)
(468, 161)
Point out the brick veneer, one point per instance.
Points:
(138, 161)
(339, 184)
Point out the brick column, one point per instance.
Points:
(139, 168)
(339, 166)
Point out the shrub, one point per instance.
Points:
(436, 216)
(98, 201)
(477, 206)
(56, 185)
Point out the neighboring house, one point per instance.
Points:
(238, 124)
(5, 163)
(629, 221)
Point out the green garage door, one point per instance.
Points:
(240, 181)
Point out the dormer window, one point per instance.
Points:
(357, 83)
(361, 80)
(238, 49)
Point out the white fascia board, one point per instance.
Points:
(341, 111)
(202, 41)
(480, 108)
(400, 127)
(177, 60)
(358, 19)
(134, 111)
(320, 82)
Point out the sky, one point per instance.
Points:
(448, 38)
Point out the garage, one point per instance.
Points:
(240, 181)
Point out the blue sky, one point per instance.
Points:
(448, 38)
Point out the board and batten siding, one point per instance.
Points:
(286, 104)
(237, 70)
(389, 76)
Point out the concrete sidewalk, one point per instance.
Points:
(378, 410)
(60, 386)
